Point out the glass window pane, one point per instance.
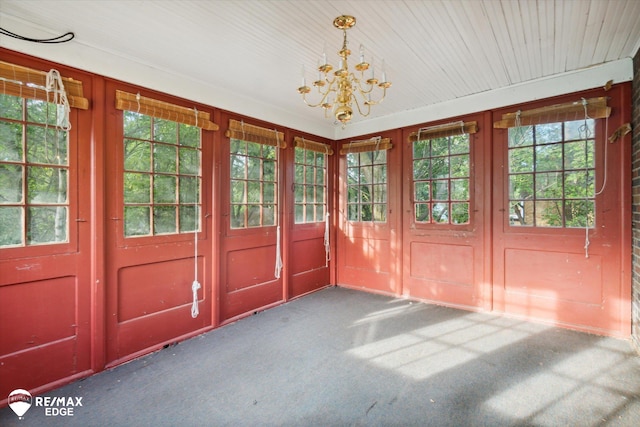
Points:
(11, 142)
(459, 144)
(320, 214)
(268, 215)
(253, 215)
(298, 193)
(164, 189)
(238, 147)
(422, 191)
(459, 166)
(137, 125)
(237, 216)
(549, 185)
(579, 155)
(189, 135)
(440, 213)
(459, 189)
(10, 107)
(43, 112)
(353, 213)
(439, 167)
(440, 190)
(189, 161)
(379, 212)
(579, 213)
(46, 185)
(254, 149)
(48, 146)
(439, 147)
(238, 192)
(188, 218)
(269, 171)
(521, 213)
(253, 192)
(137, 188)
(421, 149)
(164, 219)
(268, 193)
(520, 136)
(137, 155)
(421, 169)
(11, 226)
(548, 213)
(136, 223)
(548, 133)
(46, 225)
(459, 213)
(521, 160)
(253, 168)
(238, 167)
(164, 158)
(579, 129)
(10, 183)
(521, 187)
(549, 157)
(299, 214)
(188, 190)
(165, 131)
(423, 211)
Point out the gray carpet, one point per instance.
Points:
(345, 358)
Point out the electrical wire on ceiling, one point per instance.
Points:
(66, 37)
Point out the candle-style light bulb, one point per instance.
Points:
(384, 74)
(361, 54)
(302, 75)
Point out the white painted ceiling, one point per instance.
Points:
(246, 55)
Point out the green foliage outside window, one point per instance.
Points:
(367, 186)
(253, 184)
(441, 176)
(309, 186)
(552, 174)
(161, 178)
(34, 173)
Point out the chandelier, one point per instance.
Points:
(340, 91)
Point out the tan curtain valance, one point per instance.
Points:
(443, 131)
(163, 110)
(16, 80)
(312, 145)
(373, 144)
(596, 109)
(257, 134)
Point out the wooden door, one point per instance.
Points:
(561, 218)
(46, 225)
(159, 180)
(369, 216)
(446, 206)
(252, 236)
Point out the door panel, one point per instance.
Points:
(568, 275)
(149, 277)
(446, 262)
(368, 252)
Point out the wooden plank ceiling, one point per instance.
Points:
(434, 51)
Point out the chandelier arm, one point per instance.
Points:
(329, 90)
(355, 98)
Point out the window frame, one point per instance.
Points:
(73, 221)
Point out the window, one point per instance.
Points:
(253, 184)
(367, 186)
(441, 180)
(162, 178)
(310, 184)
(34, 173)
(552, 174)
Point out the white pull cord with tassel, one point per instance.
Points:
(278, 268)
(327, 245)
(195, 311)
